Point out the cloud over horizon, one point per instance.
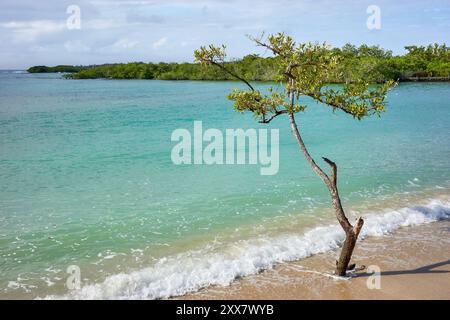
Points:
(35, 33)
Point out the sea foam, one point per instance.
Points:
(193, 270)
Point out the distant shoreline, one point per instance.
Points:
(374, 64)
(405, 79)
(425, 79)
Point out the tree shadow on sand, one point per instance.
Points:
(425, 269)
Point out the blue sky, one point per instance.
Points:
(35, 32)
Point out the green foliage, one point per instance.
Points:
(438, 68)
(210, 55)
(60, 68)
(431, 60)
(304, 70)
(356, 98)
(374, 64)
(259, 104)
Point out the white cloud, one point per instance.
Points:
(125, 44)
(31, 30)
(161, 42)
(76, 46)
(100, 24)
(153, 28)
(38, 49)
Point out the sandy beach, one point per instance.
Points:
(414, 264)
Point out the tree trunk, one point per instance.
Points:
(351, 232)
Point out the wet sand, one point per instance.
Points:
(414, 264)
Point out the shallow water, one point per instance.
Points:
(87, 179)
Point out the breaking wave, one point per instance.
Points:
(193, 270)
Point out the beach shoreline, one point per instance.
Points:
(414, 262)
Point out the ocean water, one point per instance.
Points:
(86, 179)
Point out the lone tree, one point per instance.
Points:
(303, 70)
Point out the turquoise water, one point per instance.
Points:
(87, 179)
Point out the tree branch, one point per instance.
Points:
(319, 98)
(265, 45)
(358, 225)
(221, 66)
(334, 170)
(308, 157)
(276, 114)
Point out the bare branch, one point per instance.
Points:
(221, 66)
(320, 99)
(265, 45)
(358, 225)
(334, 170)
(276, 114)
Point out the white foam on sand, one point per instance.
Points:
(192, 270)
